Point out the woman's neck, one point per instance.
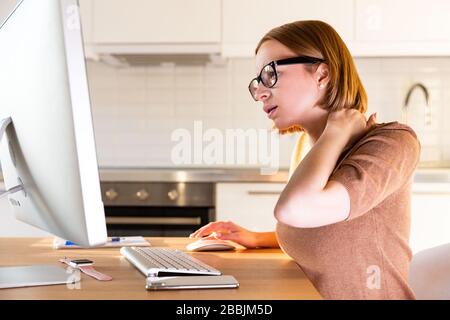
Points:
(316, 125)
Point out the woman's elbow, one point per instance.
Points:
(286, 215)
(280, 214)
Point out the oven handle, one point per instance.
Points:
(154, 220)
(263, 193)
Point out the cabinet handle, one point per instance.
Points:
(432, 193)
(263, 193)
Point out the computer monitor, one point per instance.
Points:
(48, 154)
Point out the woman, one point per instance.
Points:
(344, 215)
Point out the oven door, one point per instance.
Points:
(157, 209)
(156, 221)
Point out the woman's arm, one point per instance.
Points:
(309, 199)
(227, 230)
(266, 240)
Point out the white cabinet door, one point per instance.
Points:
(155, 21)
(246, 22)
(410, 27)
(250, 205)
(430, 220)
(402, 20)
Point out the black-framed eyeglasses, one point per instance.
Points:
(269, 75)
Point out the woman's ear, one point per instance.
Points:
(322, 74)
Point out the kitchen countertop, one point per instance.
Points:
(422, 175)
(189, 175)
(435, 176)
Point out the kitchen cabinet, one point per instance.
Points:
(152, 21)
(233, 27)
(368, 27)
(430, 217)
(402, 27)
(250, 205)
(246, 22)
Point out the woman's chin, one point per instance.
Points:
(280, 124)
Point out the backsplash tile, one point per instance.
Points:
(136, 109)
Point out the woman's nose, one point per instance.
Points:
(262, 93)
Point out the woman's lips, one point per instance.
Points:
(271, 112)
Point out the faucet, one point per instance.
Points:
(427, 99)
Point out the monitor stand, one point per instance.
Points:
(37, 275)
(3, 126)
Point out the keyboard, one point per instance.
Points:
(158, 262)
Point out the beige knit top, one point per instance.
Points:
(367, 256)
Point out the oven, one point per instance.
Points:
(157, 209)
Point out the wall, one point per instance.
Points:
(136, 109)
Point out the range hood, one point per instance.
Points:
(125, 55)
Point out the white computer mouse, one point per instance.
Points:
(211, 245)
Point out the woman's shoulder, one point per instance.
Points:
(392, 131)
(398, 131)
(393, 126)
(390, 136)
(388, 141)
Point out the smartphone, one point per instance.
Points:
(191, 282)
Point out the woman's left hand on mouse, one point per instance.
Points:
(227, 230)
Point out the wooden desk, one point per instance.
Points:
(262, 273)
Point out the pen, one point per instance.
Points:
(113, 239)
